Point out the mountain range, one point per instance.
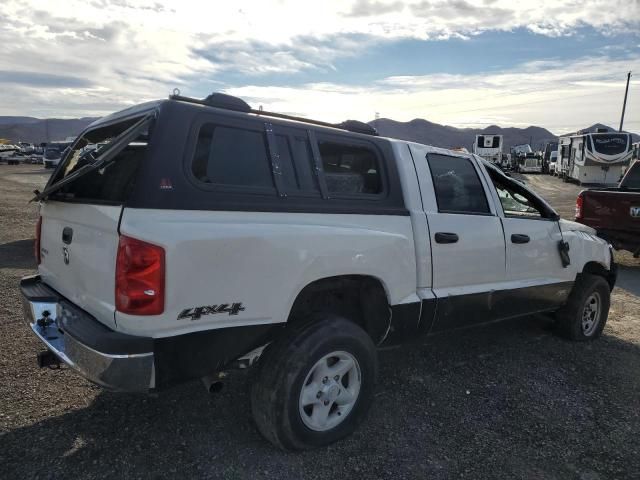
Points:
(35, 130)
(423, 131)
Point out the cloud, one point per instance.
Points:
(367, 8)
(40, 79)
(79, 57)
(559, 96)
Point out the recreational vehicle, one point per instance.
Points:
(489, 147)
(549, 148)
(595, 158)
(564, 144)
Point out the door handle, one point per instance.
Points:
(67, 235)
(519, 238)
(445, 237)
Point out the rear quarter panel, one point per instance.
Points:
(263, 260)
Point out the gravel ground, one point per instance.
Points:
(508, 400)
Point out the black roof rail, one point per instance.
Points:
(229, 102)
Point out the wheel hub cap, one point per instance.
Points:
(330, 391)
(591, 314)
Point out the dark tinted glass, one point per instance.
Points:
(350, 169)
(289, 173)
(610, 143)
(495, 141)
(458, 188)
(295, 161)
(232, 156)
(307, 178)
(632, 179)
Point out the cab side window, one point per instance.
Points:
(516, 201)
(457, 185)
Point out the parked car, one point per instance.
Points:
(614, 212)
(553, 162)
(10, 154)
(53, 153)
(206, 236)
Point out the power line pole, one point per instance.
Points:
(624, 103)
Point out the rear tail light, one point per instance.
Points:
(579, 204)
(36, 245)
(139, 277)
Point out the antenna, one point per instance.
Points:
(624, 103)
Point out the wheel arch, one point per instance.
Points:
(597, 268)
(363, 299)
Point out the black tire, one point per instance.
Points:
(570, 317)
(284, 367)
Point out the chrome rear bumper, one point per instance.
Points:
(111, 359)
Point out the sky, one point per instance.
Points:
(557, 64)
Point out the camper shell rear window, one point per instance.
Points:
(111, 184)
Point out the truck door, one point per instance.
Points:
(538, 280)
(467, 242)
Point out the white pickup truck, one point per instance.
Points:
(204, 235)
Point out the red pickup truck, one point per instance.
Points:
(614, 212)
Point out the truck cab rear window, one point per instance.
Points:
(350, 169)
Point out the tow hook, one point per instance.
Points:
(48, 359)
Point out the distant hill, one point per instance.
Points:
(35, 130)
(423, 131)
(15, 120)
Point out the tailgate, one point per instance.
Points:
(78, 248)
(611, 210)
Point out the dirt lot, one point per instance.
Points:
(508, 400)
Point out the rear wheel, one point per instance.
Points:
(585, 314)
(315, 384)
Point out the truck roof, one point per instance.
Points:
(350, 126)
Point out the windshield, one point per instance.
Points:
(52, 152)
(488, 141)
(609, 143)
(522, 149)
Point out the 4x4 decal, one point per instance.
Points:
(197, 312)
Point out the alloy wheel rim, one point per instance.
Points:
(591, 314)
(330, 391)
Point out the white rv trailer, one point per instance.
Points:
(564, 146)
(489, 147)
(595, 158)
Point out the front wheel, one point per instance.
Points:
(315, 384)
(585, 314)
